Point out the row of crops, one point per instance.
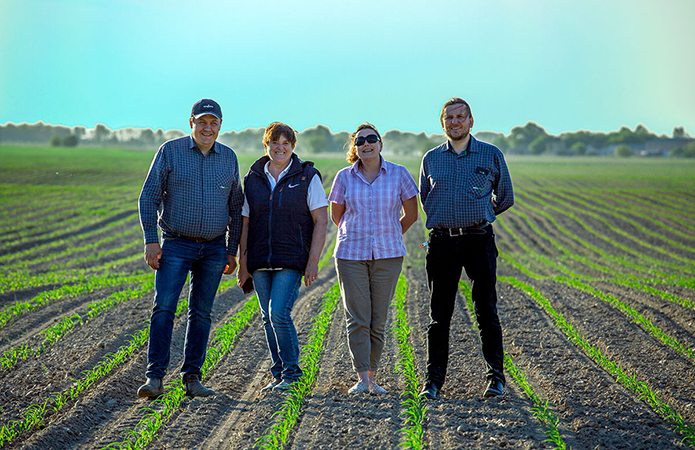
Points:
(608, 263)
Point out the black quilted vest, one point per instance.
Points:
(280, 223)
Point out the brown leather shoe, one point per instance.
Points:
(152, 389)
(194, 388)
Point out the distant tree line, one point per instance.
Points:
(529, 139)
(534, 140)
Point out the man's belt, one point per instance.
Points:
(195, 239)
(461, 231)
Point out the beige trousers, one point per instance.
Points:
(367, 288)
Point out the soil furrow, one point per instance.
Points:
(334, 419)
(628, 344)
(594, 410)
(111, 406)
(239, 378)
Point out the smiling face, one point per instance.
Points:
(367, 150)
(205, 130)
(279, 151)
(457, 122)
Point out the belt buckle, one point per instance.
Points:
(453, 232)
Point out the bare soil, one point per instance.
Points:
(594, 410)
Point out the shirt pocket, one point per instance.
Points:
(480, 182)
(223, 182)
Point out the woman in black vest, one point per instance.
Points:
(283, 232)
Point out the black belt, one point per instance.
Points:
(453, 232)
(195, 239)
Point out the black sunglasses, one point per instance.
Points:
(372, 139)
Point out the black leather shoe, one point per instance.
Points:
(194, 388)
(495, 388)
(430, 391)
(152, 389)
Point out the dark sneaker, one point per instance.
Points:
(152, 389)
(430, 391)
(194, 388)
(495, 388)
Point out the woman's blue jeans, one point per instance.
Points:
(205, 262)
(277, 290)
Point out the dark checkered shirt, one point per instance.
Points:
(193, 195)
(456, 190)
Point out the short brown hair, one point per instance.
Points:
(454, 101)
(277, 129)
(352, 150)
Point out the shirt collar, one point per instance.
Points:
(355, 166)
(471, 148)
(192, 145)
(282, 174)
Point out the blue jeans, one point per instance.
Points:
(277, 290)
(205, 262)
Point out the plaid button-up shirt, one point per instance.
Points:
(456, 190)
(193, 195)
(370, 227)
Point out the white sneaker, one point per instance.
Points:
(283, 386)
(358, 388)
(376, 389)
(271, 385)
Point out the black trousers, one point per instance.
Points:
(446, 256)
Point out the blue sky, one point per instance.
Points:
(567, 65)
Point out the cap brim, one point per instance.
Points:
(198, 116)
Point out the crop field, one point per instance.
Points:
(596, 285)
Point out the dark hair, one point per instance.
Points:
(454, 101)
(277, 129)
(352, 150)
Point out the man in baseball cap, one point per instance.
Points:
(206, 106)
(193, 192)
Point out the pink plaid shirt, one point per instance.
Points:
(370, 227)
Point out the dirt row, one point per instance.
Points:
(594, 411)
(683, 250)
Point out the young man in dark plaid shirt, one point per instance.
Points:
(464, 185)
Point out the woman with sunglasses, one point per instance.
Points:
(373, 202)
(284, 220)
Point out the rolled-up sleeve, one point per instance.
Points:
(337, 194)
(407, 185)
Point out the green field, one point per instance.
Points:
(116, 167)
(596, 279)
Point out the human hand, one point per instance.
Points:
(311, 273)
(153, 253)
(242, 275)
(231, 265)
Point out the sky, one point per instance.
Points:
(567, 65)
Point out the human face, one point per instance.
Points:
(367, 151)
(280, 151)
(205, 130)
(457, 122)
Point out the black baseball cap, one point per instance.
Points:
(206, 106)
